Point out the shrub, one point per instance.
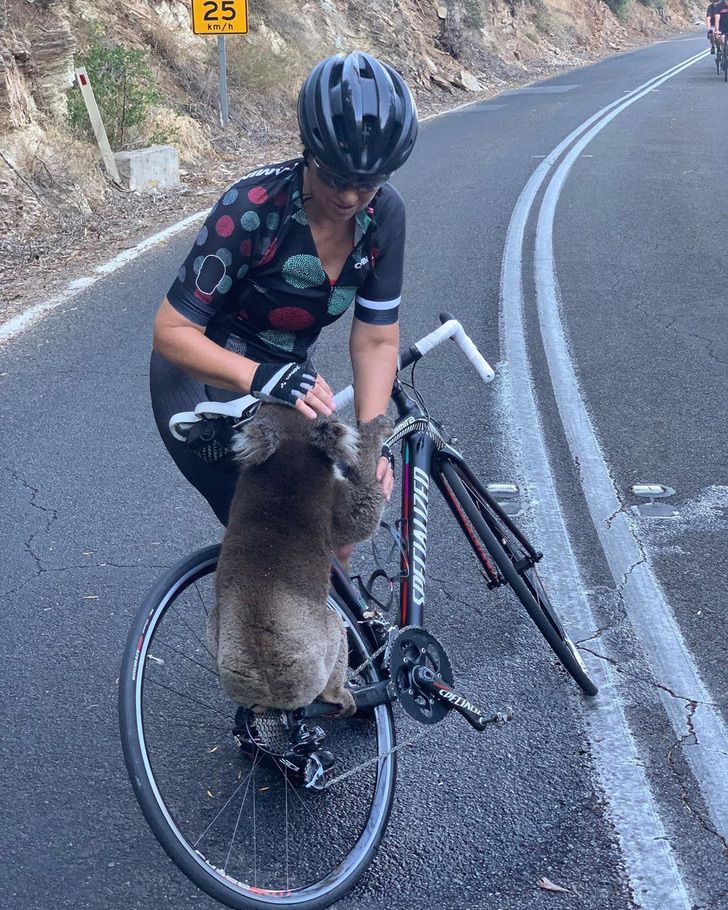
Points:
(473, 14)
(618, 7)
(124, 88)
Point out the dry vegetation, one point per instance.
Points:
(53, 191)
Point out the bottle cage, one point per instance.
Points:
(384, 577)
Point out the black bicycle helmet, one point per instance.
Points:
(357, 116)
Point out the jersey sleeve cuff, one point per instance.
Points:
(377, 312)
(188, 305)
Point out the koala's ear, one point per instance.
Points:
(336, 440)
(255, 442)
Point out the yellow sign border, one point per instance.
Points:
(231, 26)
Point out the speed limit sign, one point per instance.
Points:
(220, 17)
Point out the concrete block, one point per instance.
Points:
(150, 169)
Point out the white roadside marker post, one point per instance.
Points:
(223, 80)
(97, 124)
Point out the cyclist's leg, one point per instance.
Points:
(172, 391)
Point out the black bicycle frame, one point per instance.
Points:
(423, 460)
(425, 457)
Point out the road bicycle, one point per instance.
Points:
(721, 59)
(715, 50)
(287, 808)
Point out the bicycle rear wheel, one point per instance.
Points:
(231, 818)
(506, 548)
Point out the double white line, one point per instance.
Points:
(649, 858)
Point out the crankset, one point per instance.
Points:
(421, 678)
(411, 648)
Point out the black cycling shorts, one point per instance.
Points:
(172, 391)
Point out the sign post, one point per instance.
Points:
(221, 18)
(223, 80)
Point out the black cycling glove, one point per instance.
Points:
(283, 384)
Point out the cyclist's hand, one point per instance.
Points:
(319, 401)
(385, 477)
(296, 385)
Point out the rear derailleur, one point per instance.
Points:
(287, 741)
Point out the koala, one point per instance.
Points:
(305, 487)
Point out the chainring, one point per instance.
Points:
(413, 647)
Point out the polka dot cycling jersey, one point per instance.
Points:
(254, 279)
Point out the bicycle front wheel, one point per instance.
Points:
(507, 549)
(233, 819)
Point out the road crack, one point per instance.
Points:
(691, 738)
(597, 634)
(644, 679)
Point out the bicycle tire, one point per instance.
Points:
(717, 50)
(160, 816)
(537, 604)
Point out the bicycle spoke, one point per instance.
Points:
(227, 803)
(187, 697)
(202, 666)
(202, 643)
(242, 804)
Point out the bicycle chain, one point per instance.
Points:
(371, 761)
(372, 656)
(392, 631)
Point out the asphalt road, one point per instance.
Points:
(94, 510)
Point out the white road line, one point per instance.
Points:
(650, 862)
(644, 600)
(25, 319)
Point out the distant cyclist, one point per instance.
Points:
(720, 21)
(709, 24)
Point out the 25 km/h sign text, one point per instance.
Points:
(219, 17)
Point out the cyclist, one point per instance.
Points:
(284, 253)
(720, 21)
(709, 17)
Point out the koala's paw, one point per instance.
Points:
(376, 429)
(347, 704)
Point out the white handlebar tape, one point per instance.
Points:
(453, 329)
(344, 397)
(450, 329)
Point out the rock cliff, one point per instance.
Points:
(449, 51)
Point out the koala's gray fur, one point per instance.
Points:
(276, 643)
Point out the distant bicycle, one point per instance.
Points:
(721, 59)
(287, 808)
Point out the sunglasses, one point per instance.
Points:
(336, 182)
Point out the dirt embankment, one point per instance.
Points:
(59, 213)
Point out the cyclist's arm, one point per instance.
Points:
(374, 343)
(184, 344)
(374, 350)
